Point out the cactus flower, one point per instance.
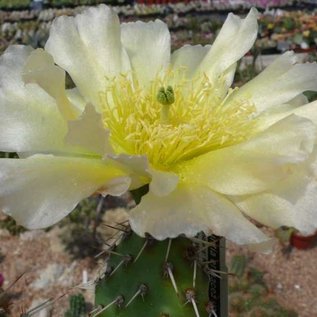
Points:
(214, 156)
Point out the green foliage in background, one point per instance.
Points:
(10, 224)
(14, 4)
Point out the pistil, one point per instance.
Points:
(166, 98)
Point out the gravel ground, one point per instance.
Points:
(48, 272)
(290, 276)
(293, 280)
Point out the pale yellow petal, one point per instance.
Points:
(30, 120)
(148, 46)
(190, 209)
(76, 99)
(298, 101)
(89, 48)
(136, 166)
(278, 84)
(40, 190)
(186, 61)
(291, 202)
(234, 40)
(162, 183)
(188, 58)
(308, 111)
(255, 165)
(88, 134)
(40, 69)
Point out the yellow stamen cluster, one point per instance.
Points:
(195, 122)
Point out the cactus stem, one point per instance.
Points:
(118, 301)
(142, 290)
(168, 268)
(194, 274)
(168, 249)
(141, 250)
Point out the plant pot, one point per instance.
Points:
(303, 242)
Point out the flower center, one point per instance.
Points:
(172, 124)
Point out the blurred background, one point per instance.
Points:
(42, 272)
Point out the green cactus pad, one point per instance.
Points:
(148, 277)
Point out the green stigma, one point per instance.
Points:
(166, 96)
